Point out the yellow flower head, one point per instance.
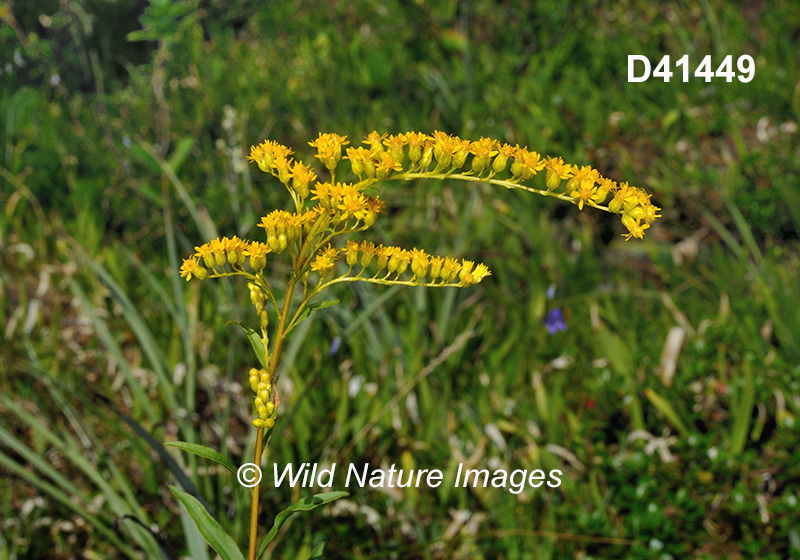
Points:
(329, 148)
(395, 144)
(504, 153)
(323, 265)
(481, 271)
(351, 252)
(585, 191)
(386, 164)
(266, 153)
(353, 204)
(361, 161)
(436, 266)
(419, 263)
(526, 164)
(416, 143)
(635, 227)
(449, 269)
(302, 177)
(330, 251)
(444, 148)
(556, 171)
(374, 140)
(368, 252)
(206, 252)
(383, 254)
(258, 255)
(236, 250)
(191, 267)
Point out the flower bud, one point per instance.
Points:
(427, 157)
(397, 154)
(220, 258)
(394, 261)
(480, 163)
(366, 259)
(552, 180)
(443, 159)
(357, 166)
(499, 163)
(369, 168)
(414, 153)
(460, 159)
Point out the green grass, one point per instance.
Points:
(114, 174)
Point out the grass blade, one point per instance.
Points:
(666, 409)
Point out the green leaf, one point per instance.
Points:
(258, 344)
(311, 307)
(744, 412)
(306, 504)
(666, 409)
(145, 157)
(211, 530)
(203, 451)
(181, 152)
(317, 551)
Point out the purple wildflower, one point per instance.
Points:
(554, 321)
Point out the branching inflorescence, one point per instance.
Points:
(325, 211)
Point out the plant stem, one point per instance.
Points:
(273, 366)
(251, 554)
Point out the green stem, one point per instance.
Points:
(407, 176)
(273, 365)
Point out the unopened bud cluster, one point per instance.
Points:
(265, 409)
(259, 301)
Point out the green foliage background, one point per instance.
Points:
(124, 127)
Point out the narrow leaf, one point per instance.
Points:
(306, 504)
(145, 157)
(311, 307)
(181, 152)
(172, 464)
(203, 451)
(211, 530)
(258, 344)
(666, 409)
(744, 412)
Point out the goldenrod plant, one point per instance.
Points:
(316, 235)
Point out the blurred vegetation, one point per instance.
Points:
(124, 130)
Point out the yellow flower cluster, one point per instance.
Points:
(272, 157)
(284, 227)
(386, 154)
(384, 157)
(345, 201)
(218, 252)
(329, 149)
(396, 261)
(265, 408)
